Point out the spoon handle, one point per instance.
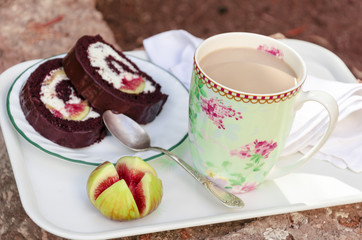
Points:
(227, 198)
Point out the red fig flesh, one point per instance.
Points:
(134, 86)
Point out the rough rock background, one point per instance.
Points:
(334, 24)
(31, 29)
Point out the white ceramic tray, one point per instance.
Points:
(53, 194)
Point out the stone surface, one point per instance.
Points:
(32, 29)
(39, 29)
(330, 23)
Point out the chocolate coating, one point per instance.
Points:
(142, 107)
(68, 133)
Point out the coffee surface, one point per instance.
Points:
(248, 70)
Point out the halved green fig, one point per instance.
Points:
(128, 190)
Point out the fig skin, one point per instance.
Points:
(152, 190)
(117, 202)
(100, 179)
(128, 190)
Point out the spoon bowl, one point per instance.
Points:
(133, 136)
(127, 131)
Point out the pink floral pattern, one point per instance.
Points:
(274, 51)
(246, 187)
(261, 148)
(217, 111)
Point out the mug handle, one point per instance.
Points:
(331, 106)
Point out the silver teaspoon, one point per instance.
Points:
(133, 136)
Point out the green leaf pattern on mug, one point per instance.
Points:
(256, 155)
(196, 91)
(236, 183)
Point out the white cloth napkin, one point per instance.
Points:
(173, 50)
(343, 148)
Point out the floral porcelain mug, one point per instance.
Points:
(236, 136)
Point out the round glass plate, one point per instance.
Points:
(168, 130)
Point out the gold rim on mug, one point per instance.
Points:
(246, 98)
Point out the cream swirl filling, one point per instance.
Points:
(58, 95)
(109, 65)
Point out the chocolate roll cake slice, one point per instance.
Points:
(110, 81)
(52, 106)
